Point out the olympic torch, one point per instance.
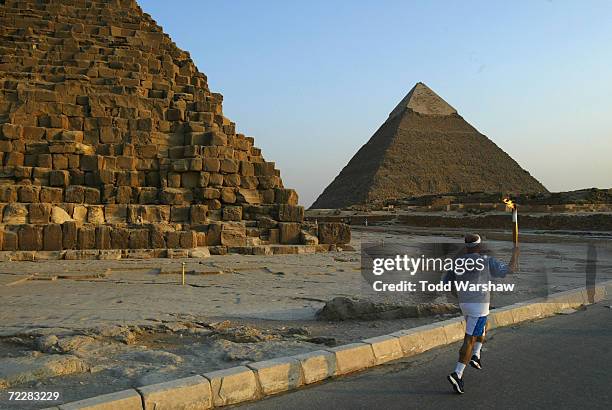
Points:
(514, 208)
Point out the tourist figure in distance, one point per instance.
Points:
(475, 304)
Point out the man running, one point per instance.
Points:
(474, 304)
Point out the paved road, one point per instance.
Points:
(560, 362)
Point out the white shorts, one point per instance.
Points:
(475, 326)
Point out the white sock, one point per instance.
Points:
(476, 349)
(459, 369)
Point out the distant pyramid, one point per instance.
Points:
(425, 147)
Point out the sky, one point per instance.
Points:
(313, 80)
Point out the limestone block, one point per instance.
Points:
(157, 237)
(51, 195)
(290, 213)
(9, 241)
(52, 237)
(290, 232)
(228, 166)
(285, 196)
(15, 214)
(79, 213)
(318, 365)
(120, 238)
(411, 341)
(139, 238)
(30, 238)
(334, 233)
(180, 213)
(233, 234)
(385, 348)
(86, 237)
(186, 393)
(232, 213)
(95, 214)
(103, 237)
(29, 194)
(115, 213)
(69, 235)
(198, 214)
(188, 239)
(74, 194)
(211, 164)
(233, 385)
(173, 239)
(213, 235)
(353, 357)
(278, 375)
(39, 213)
(124, 400)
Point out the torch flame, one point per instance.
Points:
(509, 203)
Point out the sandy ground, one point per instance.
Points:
(90, 327)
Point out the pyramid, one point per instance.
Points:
(110, 139)
(425, 147)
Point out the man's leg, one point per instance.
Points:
(456, 377)
(465, 353)
(480, 331)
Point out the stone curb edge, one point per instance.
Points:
(260, 379)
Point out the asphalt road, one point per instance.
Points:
(563, 362)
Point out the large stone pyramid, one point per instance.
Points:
(111, 139)
(425, 147)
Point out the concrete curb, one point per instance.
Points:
(265, 378)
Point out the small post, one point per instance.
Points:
(183, 275)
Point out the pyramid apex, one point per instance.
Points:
(423, 100)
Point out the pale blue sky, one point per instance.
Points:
(312, 80)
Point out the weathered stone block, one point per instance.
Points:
(29, 194)
(318, 365)
(124, 400)
(115, 213)
(173, 239)
(69, 235)
(103, 237)
(285, 196)
(187, 393)
(278, 375)
(180, 213)
(233, 234)
(51, 195)
(139, 238)
(95, 214)
(10, 241)
(52, 237)
(353, 357)
(15, 214)
(74, 194)
(120, 238)
(385, 348)
(233, 385)
(232, 213)
(30, 238)
(86, 237)
(59, 178)
(188, 239)
(334, 233)
(39, 213)
(198, 214)
(290, 232)
(290, 213)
